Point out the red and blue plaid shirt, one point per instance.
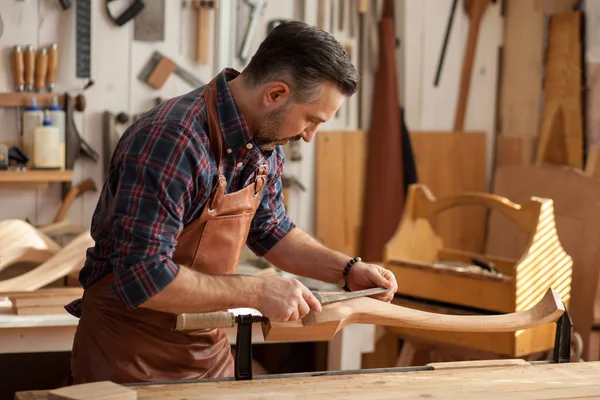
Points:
(161, 174)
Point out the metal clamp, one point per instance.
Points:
(562, 338)
(243, 346)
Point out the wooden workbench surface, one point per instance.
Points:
(542, 381)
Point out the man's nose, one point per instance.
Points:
(308, 134)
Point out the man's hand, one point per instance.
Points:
(285, 299)
(366, 276)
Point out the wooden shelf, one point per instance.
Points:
(44, 100)
(34, 177)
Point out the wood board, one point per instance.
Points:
(499, 381)
(561, 132)
(340, 170)
(452, 163)
(576, 199)
(521, 73)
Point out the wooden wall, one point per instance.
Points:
(117, 60)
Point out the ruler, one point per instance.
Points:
(83, 10)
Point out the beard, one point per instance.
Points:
(267, 137)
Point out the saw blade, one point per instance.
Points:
(332, 298)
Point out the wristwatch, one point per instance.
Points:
(343, 283)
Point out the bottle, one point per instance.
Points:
(32, 118)
(57, 117)
(46, 145)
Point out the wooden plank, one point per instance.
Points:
(463, 157)
(561, 132)
(521, 74)
(35, 176)
(514, 150)
(340, 166)
(542, 382)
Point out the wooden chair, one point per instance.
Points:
(433, 278)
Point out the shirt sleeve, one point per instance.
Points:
(158, 177)
(271, 223)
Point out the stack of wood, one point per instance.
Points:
(42, 301)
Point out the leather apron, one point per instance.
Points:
(122, 346)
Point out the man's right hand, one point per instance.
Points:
(285, 299)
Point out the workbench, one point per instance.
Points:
(50, 333)
(495, 379)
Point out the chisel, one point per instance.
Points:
(227, 319)
(41, 69)
(52, 66)
(29, 64)
(18, 66)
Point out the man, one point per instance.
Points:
(190, 183)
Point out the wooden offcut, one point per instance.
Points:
(560, 140)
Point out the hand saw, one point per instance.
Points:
(227, 319)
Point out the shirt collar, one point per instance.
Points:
(233, 124)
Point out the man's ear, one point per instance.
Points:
(276, 94)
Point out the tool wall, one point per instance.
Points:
(122, 58)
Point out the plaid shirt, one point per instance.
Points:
(161, 174)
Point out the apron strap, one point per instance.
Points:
(214, 126)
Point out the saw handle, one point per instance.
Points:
(211, 320)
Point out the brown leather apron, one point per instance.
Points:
(112, 343)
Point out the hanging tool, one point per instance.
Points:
(475, 10)
(18, 67)
(130, 13)
(256, 10)
(445, 44)
(83, 40)
(52, 66)
(158, 69)
(87, 185)
(41, 69)
(149, 24)
(75, 145)
(203, 11)
(110, 136)
(29, 63)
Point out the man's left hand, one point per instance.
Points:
(366, 276)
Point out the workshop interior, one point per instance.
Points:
(465, 164)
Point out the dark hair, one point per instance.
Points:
(304, 57)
